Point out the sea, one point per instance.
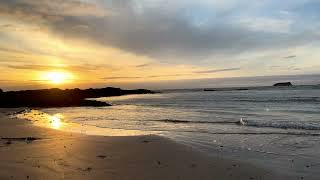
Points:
(272, 127)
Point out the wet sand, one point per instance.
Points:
(31, 152)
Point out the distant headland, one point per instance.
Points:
(62, 98)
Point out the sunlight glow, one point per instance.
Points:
(56, 77)
(55, 121)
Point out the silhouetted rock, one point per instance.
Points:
(209, 90)
(242, 89)
(61, 98)
(283, 84)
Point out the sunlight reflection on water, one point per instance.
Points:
(42, 119)
(56, 121)
(59, 122)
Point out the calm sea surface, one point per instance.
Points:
(278, 128)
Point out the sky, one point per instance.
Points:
(127, 43)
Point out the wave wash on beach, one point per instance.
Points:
(258, 125)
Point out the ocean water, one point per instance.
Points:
(276, 128)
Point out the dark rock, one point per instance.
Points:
(102, 156)
(89, 169)
(209, 90)
(145, 141)
(62, 98)
(283, 84)
(93, 103)
(23, 139)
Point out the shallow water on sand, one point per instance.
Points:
(274, 127)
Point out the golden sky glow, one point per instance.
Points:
(56, 77)
(78, 43)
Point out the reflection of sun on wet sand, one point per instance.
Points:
(42, 153)
(56, 121)
(59, 122)
(42, 119)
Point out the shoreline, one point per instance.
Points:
(54, 154)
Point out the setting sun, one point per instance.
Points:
(56, 77)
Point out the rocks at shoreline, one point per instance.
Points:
(283, 84)
(62, 98)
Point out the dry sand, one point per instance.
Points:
(59, 155)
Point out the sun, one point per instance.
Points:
(56, 77)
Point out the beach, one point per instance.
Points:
(32, 152)
(159, 90)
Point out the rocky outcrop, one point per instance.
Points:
(61, 98)
(282, 84)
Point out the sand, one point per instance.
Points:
(53, 154)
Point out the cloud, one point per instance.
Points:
(37, 67)
(180, 30)
(120, 77)
(290, 57)
(169, 75)
(266, 24)
(217, 70)
(9, 27)
(143, 65)
(142, 77)
(11, 50)
(50, 10)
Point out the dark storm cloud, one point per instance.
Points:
(163, 33)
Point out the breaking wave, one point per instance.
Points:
(197, 122)
(252, 123)
(282, 124)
